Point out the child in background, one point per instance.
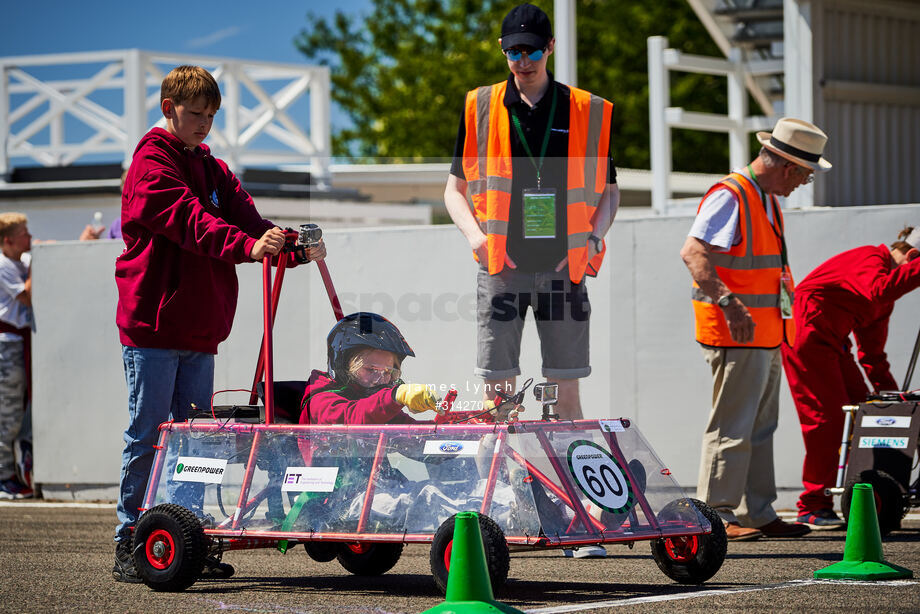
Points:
(16, 325)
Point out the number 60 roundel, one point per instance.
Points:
(600, 477)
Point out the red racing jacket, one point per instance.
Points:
(854, 292)
(325, 401)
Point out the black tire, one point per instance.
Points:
(169, 548)
(695, 559)
(322, 552)
(498, 558)
(889, 499)
(369, 559)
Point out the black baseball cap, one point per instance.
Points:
(527, 25)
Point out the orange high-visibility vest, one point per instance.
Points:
(751, 270)
(487, 167)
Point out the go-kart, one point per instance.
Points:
(240, 477)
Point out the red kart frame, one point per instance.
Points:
(688, 538)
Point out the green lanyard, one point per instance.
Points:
(776, 218)
(537, 164)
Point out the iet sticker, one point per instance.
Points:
(599, 476)
(896, 422)
(452, 447)
(203, 470)
(309, 479)
(883, 442)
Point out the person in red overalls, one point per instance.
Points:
(853, 292)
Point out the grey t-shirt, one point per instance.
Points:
(13, 276)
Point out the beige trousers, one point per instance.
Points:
(736, 469)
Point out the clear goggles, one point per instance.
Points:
(377, 374)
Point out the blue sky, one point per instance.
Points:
(248, 30)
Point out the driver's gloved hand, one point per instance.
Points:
(416, 397)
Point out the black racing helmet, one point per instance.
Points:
(362, 330)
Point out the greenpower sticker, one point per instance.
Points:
(197, 469)
(600, 476)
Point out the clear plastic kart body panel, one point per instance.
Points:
(544, 483)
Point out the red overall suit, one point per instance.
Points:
(852, 292)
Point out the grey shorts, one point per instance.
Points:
(562, 313)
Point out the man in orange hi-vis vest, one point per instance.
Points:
(534, 158)
(742, 300)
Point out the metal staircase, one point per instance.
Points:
(756, 28)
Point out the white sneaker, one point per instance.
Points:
(585, 552)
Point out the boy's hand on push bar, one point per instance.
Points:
(310, 254)
(270, 243)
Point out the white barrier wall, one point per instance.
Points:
(646, 365)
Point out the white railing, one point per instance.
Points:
(113, 98)
(662, 117)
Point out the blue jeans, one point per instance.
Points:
(162, 384)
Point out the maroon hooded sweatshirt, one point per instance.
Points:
(186, 222)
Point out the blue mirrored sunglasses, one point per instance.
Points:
(515, 54)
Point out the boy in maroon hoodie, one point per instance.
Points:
(186, 222)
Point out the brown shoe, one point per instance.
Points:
(736, 533)
(780, 528)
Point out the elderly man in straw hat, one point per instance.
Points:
(742, 299)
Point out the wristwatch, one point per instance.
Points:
(725, 299)
(598, 242)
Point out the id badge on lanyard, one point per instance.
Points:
(539, 213)
(786, 294)
(539, 203)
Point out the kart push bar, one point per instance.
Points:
(296, 243)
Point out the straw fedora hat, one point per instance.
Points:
(797, 141)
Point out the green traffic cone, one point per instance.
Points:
(468, 587)
(862, 555)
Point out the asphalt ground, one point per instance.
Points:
(58, 558)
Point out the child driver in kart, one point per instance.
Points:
(362, 385)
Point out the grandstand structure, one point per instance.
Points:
(847, 65)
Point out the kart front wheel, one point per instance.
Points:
(169, 548)
(363, 559)
(498, 558)
(693, 559)
(889, 499)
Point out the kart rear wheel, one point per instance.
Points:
(498, 558)
(169, 548)
(889, 499)
(364, 559)
(693, 559)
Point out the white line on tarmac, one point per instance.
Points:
(40, 503)
(709, 593)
